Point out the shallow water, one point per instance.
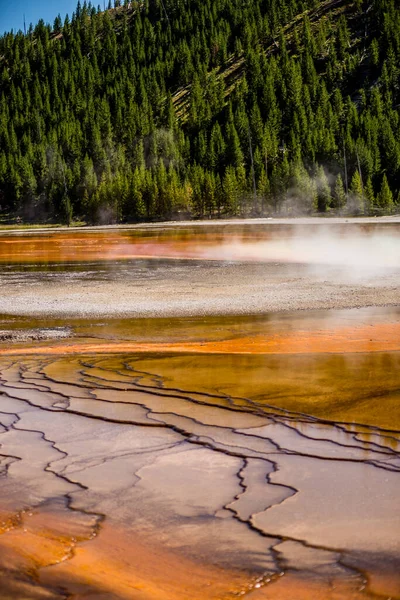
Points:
(351, 243)
(205, 457)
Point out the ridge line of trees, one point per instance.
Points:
(127, 115)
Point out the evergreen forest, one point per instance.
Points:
(163, 109)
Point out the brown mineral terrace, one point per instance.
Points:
(210, 449)
(112, 482)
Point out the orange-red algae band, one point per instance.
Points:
(382, 337)
(117, 246)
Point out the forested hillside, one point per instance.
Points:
(173, 108)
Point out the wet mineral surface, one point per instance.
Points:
(197, 457)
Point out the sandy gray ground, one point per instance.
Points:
(34, 334)
(206, 288)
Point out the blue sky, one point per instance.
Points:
(12, 12)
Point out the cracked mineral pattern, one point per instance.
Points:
(188, 469)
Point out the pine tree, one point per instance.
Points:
(357, 194)
(302, 197)
(66, 210)
(339, 193)
(209, 191)
(385, 196)
(230, 189)
(323, 190)
(369, 196)
(235, 154)
(217, 148)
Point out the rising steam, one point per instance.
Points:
(356, 254)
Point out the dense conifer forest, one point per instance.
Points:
(194, 108)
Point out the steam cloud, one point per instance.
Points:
(354, 254)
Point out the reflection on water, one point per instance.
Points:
(197, 458)
(355, 245)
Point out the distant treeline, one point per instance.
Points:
(202, 108)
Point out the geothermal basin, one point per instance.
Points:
(201, 411)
